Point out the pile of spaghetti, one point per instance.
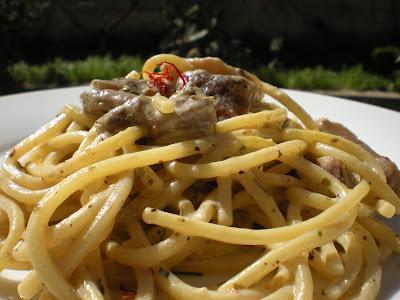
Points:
(196, 193)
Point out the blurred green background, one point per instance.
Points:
(344, 47)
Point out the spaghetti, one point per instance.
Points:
(230, 206)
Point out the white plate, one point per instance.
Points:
(21, 114)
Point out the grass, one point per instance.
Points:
(320, 78)
(59, 72)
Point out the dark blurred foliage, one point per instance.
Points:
(301, 44)
(16, 17)
(196, 29)
(19, 15)
(386, 59)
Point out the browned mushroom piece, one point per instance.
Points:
(204, 99)
(194, 116)
(389, 167)
(233, 95)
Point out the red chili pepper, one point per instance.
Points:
(183, 78)
(160, 79)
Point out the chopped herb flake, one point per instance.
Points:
(325, 182)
